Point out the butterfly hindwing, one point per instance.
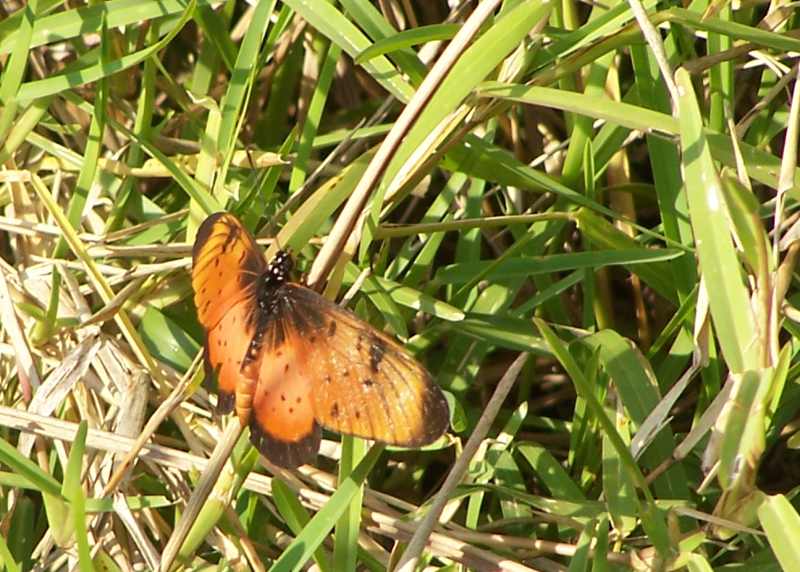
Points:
(282, 423)
(226, 345)
(363, 382)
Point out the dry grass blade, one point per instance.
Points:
(216, 462)
(25, 365)
(134, 528)
(59, 383)
(175, 398)
(101, 440)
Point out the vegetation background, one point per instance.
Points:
(606, 187)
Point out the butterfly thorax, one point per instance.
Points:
(278, 272)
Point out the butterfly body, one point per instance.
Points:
(290, 362)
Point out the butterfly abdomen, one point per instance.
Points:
(244, 399)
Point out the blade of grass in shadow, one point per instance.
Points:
(619, 491)
(492, 467)
(303, 546)
(605, 235)
(296, 518)
(652, 519)
(551, 472)
(505, 332)
(637, 386)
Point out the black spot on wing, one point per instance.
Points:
(287, 454)
(377, 349)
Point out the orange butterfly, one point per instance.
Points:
(291, 361)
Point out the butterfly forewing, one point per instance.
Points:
(226, 264)
(226, 345)
(364, 383)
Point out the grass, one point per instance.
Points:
(581, 217)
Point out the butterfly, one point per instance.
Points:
(290, 361)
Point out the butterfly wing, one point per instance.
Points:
(291, 361)
(226, 263)
(363, 383)
(282, 424)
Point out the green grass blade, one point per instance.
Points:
(408, 38)
(719, 265)
(782, 525)
(300, 550)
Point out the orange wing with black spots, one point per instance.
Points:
(295, 362)
(364, 383)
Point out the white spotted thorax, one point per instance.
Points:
(278, 272)
(279, 268)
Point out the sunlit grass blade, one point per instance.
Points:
(297, 519)
(734, 324)
(72, 489)
(782, 525)
(345, 543)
